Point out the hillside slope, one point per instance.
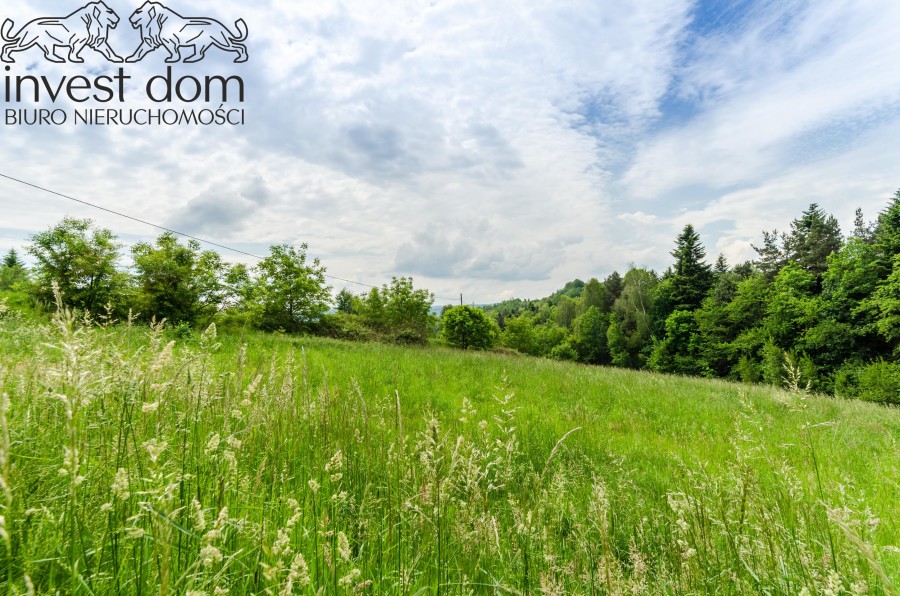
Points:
(296, 464)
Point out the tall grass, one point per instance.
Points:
(265, 464)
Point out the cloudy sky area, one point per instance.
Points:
(494, 149)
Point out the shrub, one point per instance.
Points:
(880, 382)
(468, 327)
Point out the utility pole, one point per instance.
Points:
(460, 299)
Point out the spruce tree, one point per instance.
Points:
(12, 261)
(887, 236)
(691, 275)
(814, 236)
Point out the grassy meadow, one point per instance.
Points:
(136, 462)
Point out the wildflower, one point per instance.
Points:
(343, 546)
(237, 415)
(134, 533)
(120, 485)
(314, 486)
(210, 555)
(195, 593)
(234, 443)
(106, 507)
(220, 591)
(148, 408)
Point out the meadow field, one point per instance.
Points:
(134, 461)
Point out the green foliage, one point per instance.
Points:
(632, 314)
(814, 236)
(178, 283)
(572, 290)
(468, 327)
(747, 370)
(793, 308)
(81, 260)
(563, 351)
(288, 293)
(396, 313)
(771, 256)
(519, 336)
(887, 236)
(772, 364)
(885, 304)
(407, 311)
(565, 312)
(880, 382)
(692, 276)
(595, 294)
(12, 272)
(679, 351)
(614, 285)
(589, 337)
(344, 301)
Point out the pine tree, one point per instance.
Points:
(614, 285)
(814, 236)
(12, 271)
(771, 257)
(721, 266)
(691, 275)
(863, 230)
(12, 260)
(887, 236)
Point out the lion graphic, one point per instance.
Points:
(163, 27)
(86, 27)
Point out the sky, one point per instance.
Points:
(490, 149)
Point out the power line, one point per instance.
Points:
(159, 227)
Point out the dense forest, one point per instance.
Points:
(816, 309)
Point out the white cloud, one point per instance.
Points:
(492, 148)
(785, 77)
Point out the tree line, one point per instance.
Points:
(188, 287)
(815, 307)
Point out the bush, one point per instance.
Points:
(468, 327)
(564, 351)
(880, 382)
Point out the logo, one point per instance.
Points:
(98, 98)
(86, 27)
(163, 27)
(159, 27)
